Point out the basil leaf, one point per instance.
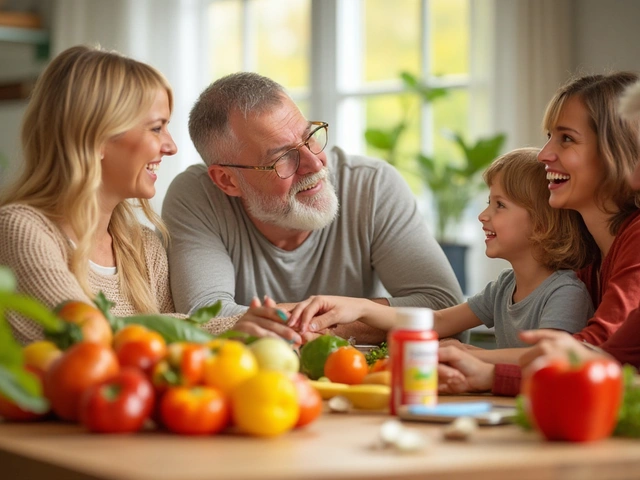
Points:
(70, 334)
(23, 388)
(629, 416)
(10, 350)
(245, 337)
(204, 314)
(104, 305)
(31, 308)
(171, 328)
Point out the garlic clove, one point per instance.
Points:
(461, 428)
(390, 431)
(410, 441)
(339, 404)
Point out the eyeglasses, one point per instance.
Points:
(287, 164)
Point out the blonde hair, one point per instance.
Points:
(85, 97)
(617, 136)
(557, 234)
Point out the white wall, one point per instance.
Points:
(607, 35)
(17, 63)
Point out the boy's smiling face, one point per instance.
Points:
(507, 225)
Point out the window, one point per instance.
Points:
(341, 60)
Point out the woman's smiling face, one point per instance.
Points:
(131, 159)
(572, 160)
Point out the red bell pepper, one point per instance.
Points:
(578, 402)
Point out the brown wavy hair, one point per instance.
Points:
(617, 136)
(557, 234)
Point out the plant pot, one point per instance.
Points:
(457, 256)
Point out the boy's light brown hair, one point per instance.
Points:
(557, 234)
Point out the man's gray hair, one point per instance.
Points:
(245, 92)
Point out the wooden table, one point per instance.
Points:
(337, 446)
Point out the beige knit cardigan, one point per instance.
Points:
(38, 253)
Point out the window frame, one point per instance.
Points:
(328, 97)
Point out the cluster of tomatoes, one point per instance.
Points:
(135, 380)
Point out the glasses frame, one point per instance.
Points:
(304, 143)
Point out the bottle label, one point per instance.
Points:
(420, 373)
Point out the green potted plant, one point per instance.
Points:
(453, 183)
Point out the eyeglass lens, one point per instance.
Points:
(288, 164)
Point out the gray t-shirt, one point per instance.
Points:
(378, 246)
(561, 302)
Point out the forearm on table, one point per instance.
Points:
(363, 334)
(500, 355)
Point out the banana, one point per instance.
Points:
(378, 378)
(366, 397)
(328, 390)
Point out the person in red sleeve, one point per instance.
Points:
(460, 372)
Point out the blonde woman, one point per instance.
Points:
(93, 136)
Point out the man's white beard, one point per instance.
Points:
(290, 213)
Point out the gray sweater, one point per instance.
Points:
(378, 246)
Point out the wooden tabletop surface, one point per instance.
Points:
(337, 446)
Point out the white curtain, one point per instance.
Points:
(168, 34)
(529, 58)
(533, 58)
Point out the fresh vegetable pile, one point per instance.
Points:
(341, 373)
(118, 375)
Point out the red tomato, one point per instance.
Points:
(346, 365)
(94, 325)
(575, 403)
(309, 400)
(139, 347)
(194, 410)
(183, 365)
(13, 413)
(118, 405)
(83, 365)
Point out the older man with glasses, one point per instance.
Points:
(272, 213)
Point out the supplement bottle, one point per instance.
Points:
(413, 353)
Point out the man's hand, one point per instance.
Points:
(267, 321)
(460, 372)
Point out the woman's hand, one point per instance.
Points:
(460, 372)
(323, 311)
(266, 321)
(551, 345)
